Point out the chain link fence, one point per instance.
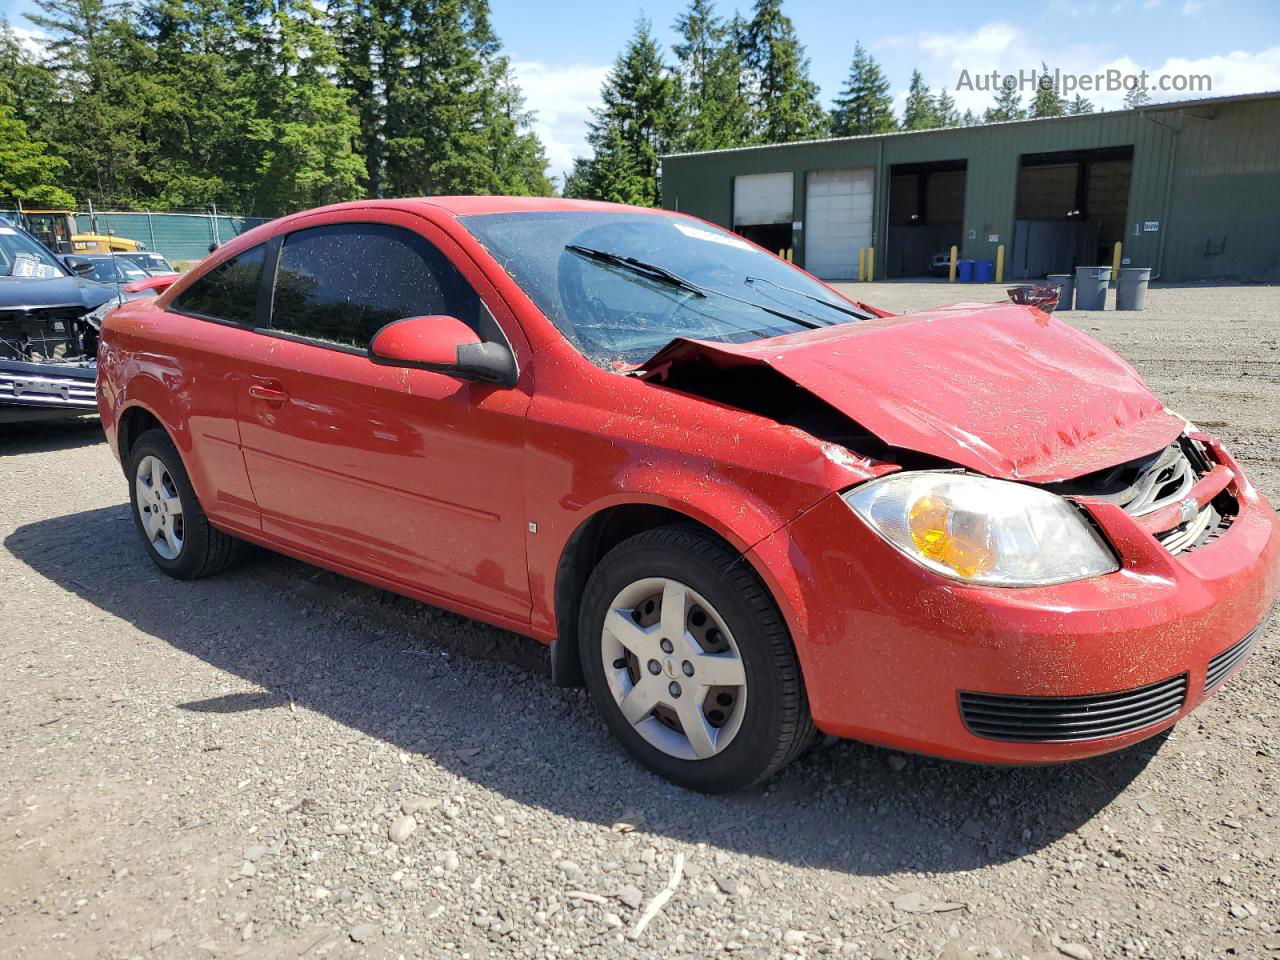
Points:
(177, 236)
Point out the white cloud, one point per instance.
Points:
(1009, 49)
(33, 41)
(562, 98)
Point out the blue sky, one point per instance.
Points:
(562, 50)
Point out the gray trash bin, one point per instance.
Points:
(1091, 287)
(1131, 290)
(1066, 287)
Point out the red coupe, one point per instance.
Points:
(738, 506)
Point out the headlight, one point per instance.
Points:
(983, 531)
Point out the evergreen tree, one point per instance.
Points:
(1047, 102)
(198, 74)
(437, 107)
(367, 67)
(864, 105)
(635, 125)
(1136, 96)
(948, 115)
(265, 106)
(31, 86)
(430, 137)
(97, 118)
(920, 112)
(969, 119)
(306, 154)
(29, 174)
(785, 102)
(1079, 105)
(516, 157)
(1008, 106)
(615, 174)
(713, 108)
(577, 182)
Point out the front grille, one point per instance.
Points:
(1225, 662)
(1145, 486)
(1072, 719)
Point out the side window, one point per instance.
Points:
(341, 283)
(229, 291)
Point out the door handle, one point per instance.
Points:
(272, 391)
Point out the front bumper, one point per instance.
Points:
(33, 391)
(890, 651)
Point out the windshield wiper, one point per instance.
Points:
(655, 272)
(650, 270)
(808, 296)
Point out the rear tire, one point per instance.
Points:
(173, 526)
(725, 707)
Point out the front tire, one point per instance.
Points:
(173, 526)
(688, 659)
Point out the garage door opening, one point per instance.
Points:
(763, 208)
(926, 216)
(1072, 208)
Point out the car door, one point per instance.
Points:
(411, 475)
(201, 365)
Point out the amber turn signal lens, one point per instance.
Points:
(934, 533)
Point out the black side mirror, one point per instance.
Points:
(80, 266)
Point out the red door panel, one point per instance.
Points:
(410, 474)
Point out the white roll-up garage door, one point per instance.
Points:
(763, 198)
(837, 221)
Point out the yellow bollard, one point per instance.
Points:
(1115, 264)
(862, 263)
(1000, 264)
(790, 254)
(955, 253)
(871, 264)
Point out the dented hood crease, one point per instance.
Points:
(1001, 389)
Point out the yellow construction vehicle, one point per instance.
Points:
(56, 229)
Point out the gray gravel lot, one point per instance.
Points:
(218, 768)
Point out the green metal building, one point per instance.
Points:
(1190, 189)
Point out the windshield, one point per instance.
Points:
(620, 286)
(116, 270)
(151, 262)
(20, 256)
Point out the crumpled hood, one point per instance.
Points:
(52, 292)
(1001, 389)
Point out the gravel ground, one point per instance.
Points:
(279, 762)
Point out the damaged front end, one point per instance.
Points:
(1185, 495)
(47, 362)
(1001, 390)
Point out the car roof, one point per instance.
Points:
(468, 206)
